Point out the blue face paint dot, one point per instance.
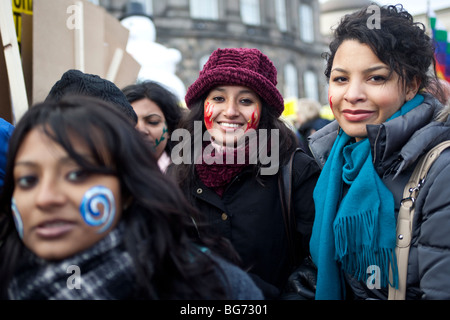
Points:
(17, 218)
(98, 207)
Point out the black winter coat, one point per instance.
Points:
(249, 214)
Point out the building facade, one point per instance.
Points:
(287, 31)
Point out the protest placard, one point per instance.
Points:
(51, 37)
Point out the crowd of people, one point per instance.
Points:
(151, 200)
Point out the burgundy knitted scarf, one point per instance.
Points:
(220, 173)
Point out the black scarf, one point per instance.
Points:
(106, 272)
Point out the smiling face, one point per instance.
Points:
(361, 91)
(50, 192)
(230, 111)
(152, 123)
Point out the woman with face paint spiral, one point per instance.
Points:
(87, 214)
(237, 145)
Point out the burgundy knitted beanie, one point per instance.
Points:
(238, 66)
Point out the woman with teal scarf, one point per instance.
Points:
(385, 120)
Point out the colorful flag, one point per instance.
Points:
(442, 50)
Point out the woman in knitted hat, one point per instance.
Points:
(233, 177)
(385, 122)
(88, 215)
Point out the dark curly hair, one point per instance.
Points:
(400, 43)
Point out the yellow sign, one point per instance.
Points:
(326, 113)
(21, 7)
(290, 107)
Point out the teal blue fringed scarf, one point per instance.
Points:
(356, 231)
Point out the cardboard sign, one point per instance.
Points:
(75, 34)
(53, 44)
(94, 37)
(55, 36)
(14, 73)
(27, 53)
(20, 9)
(5, 101)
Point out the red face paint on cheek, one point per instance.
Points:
(208, 111)
(331, 103)
(253, 122)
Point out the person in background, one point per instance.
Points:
(232, 178)
(158, 114)
(308, 121)
(385, 121)
(94, 200)
(438, 86)
(6, 130)
(76, 82)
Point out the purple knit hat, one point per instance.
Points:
(238, 66)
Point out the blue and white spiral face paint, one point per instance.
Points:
(17, 218)
(98, 207)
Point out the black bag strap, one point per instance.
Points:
(285, 189)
